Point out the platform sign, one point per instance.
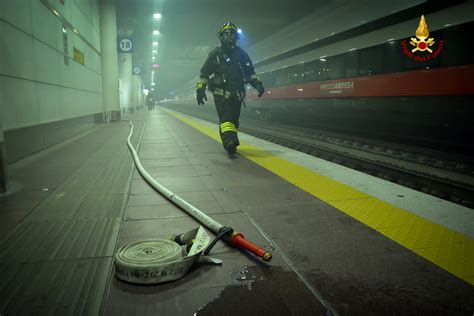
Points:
(137, 70)
(125, 45)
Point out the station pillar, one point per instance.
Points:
(109, 60)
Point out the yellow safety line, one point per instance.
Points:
(449, 250)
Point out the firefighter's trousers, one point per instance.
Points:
(228, 106)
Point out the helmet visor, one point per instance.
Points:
(229, 37)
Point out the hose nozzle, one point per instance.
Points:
(238, 240)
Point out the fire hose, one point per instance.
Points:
(155, 261)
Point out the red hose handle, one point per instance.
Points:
(238, 240)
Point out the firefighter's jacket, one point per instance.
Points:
(227, 71)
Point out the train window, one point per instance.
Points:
(316, 69)
(371, 61)
(457, 49)
(336, 66)
(352, 63)
(409, 64)
(291, 74)
(270, 79)
(309, 68)
(265, 77)
(282, 77)
(274, 77)
(308, 72)
(296, 74)
(392, 57)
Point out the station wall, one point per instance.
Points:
(47, 95)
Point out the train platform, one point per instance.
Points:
(343, 242)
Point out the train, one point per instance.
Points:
(399, 83)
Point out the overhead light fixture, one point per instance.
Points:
(55, 12)
(155, 43)
(156, 32)
(157, 16)
(64, 30)
(351, 49)
(155, 51)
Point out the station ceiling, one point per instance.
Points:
(188, 31)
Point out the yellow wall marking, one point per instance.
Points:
(78, 55)
(449, 250)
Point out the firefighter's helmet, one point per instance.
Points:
(228, 34)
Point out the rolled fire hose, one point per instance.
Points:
(161, 260)
(155, 261)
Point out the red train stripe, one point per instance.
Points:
(441, 81)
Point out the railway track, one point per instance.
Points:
(447, 176)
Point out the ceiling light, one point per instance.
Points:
(156, 32)
(155, 43)
(56, 12)
(157, 16)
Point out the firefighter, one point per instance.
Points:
(226, 71)
(150, 102)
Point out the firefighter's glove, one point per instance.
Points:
(260, 88)
(201, 95)
(258, 85)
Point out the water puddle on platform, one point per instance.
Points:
(264, 291)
